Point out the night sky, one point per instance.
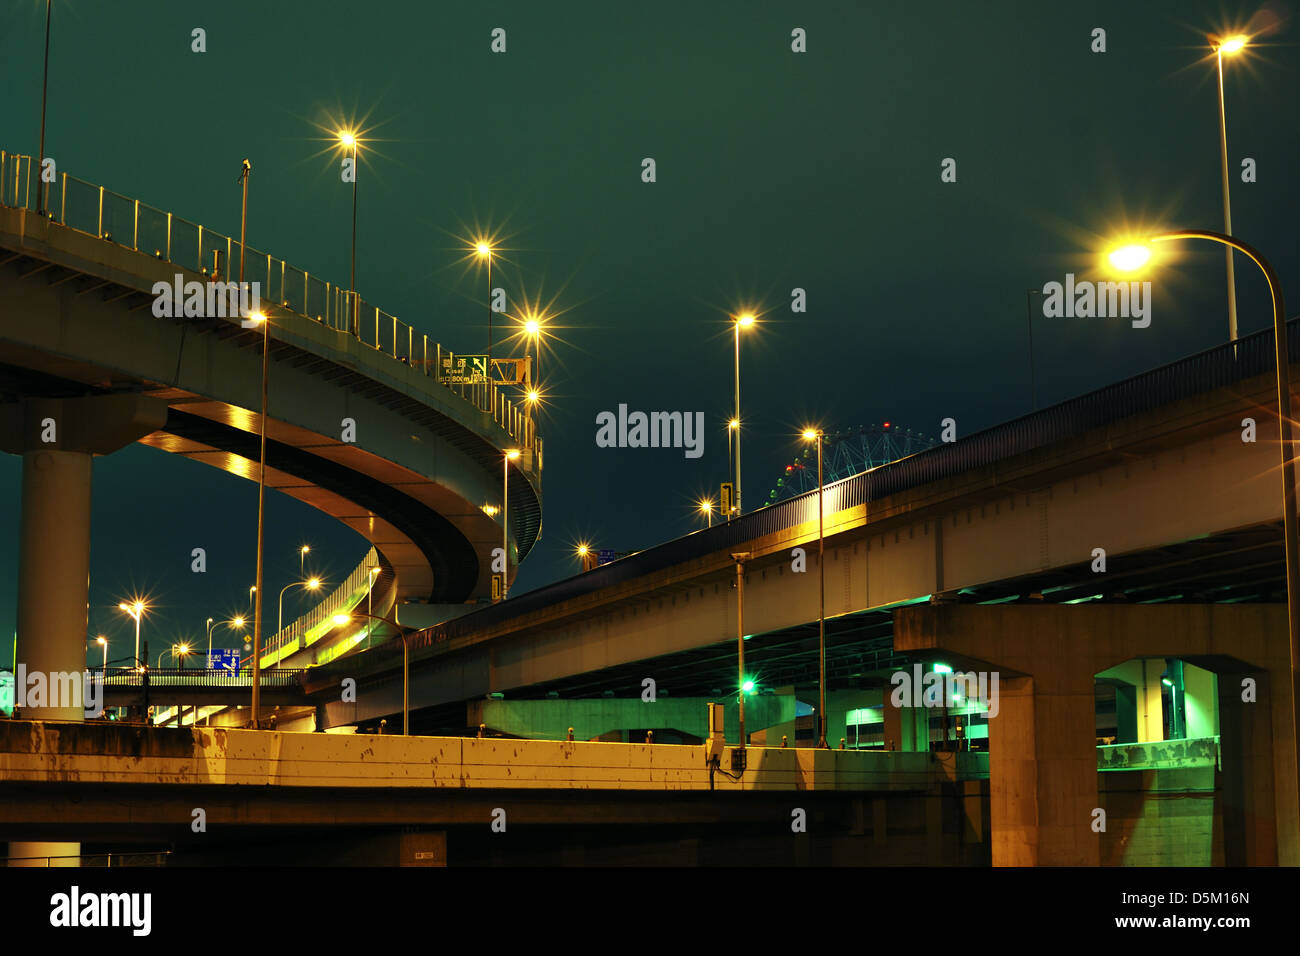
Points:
(775, 170)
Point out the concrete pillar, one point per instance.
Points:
(906, 728)
(1202, 701)
(1042, 745)
(57, 439)
(1247, 776)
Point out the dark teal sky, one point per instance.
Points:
(775, 170)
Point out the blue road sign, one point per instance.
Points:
(224, 659)
(604, 556)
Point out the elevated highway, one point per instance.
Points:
(1153, 471)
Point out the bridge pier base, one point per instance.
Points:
(1044, 789)
(57, 439)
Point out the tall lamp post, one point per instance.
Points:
(1133, 257)
(311, 584)
(742, 321)
(510, 455)
(235, 623)
(740, 558)
(484, 251)
(1229, 47)
(257, 588)
(706, 509)
(302, 561)
(816, 434)
(136, 609)
(102, 641)
(45, 86)
(348, 140)
(405, 634)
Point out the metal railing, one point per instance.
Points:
(194, 677)
(340, 599)
(107, 215)
(158, 858)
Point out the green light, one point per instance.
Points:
(1167, 682)
(748, 687)
(942, 669)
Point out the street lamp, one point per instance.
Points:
(510, 455)
(136, 609)
(742, 321)
(311, 584)
(302, 560)
(103, 642)
(348, 140)
(533, 329)
(740, 558)
(1229, 46)
(45, 86)
(404, 633)
(235, 623)
(256, 589)
(1135, 256)
(733, 429)
(706, 508)
(483, 249)
(816, 434)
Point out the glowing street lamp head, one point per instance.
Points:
(532, 326)
(1234, 44)
(734, 423)
(238, 622)
(745, 320)
(811, 434)
(312, 584)
(512, 454)
(483, 249)
(305, 548)
(347, 138)
(706, 506)
(257, 317)
(341, 618)
(182, 649)
(748, 687)
(101, 640)
(1131, 257)
(534, 396)
(583, 550)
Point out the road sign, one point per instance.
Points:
(463, 369)
(498, 584)
(726, 499)
(225, 659)
(605, 556)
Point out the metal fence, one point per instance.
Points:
(99, 212)
(158, 858)
(339, 600)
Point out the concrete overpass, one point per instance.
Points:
(1152, 470)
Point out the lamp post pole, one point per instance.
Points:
(1285, 413)
(821, 597)
(1227, 206)
(740, 559)
(45, 86)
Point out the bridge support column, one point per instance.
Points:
(58, 439)
(1042, 745)
(906, 728)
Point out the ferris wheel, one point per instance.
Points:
(848, 452)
